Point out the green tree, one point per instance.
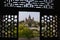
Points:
(24, 31)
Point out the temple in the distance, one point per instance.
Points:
(30, 22)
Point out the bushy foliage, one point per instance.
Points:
(24, 31)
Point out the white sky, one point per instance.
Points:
(25, 14)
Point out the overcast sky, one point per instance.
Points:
(25, 14)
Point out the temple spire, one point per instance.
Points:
(29, 17)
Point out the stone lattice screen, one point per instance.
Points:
(49, 4)
(49, 26)
(8, 26)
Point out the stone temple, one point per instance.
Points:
(30, 22)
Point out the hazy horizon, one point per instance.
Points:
(25, 14)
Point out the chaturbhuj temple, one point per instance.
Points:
(30, 22)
